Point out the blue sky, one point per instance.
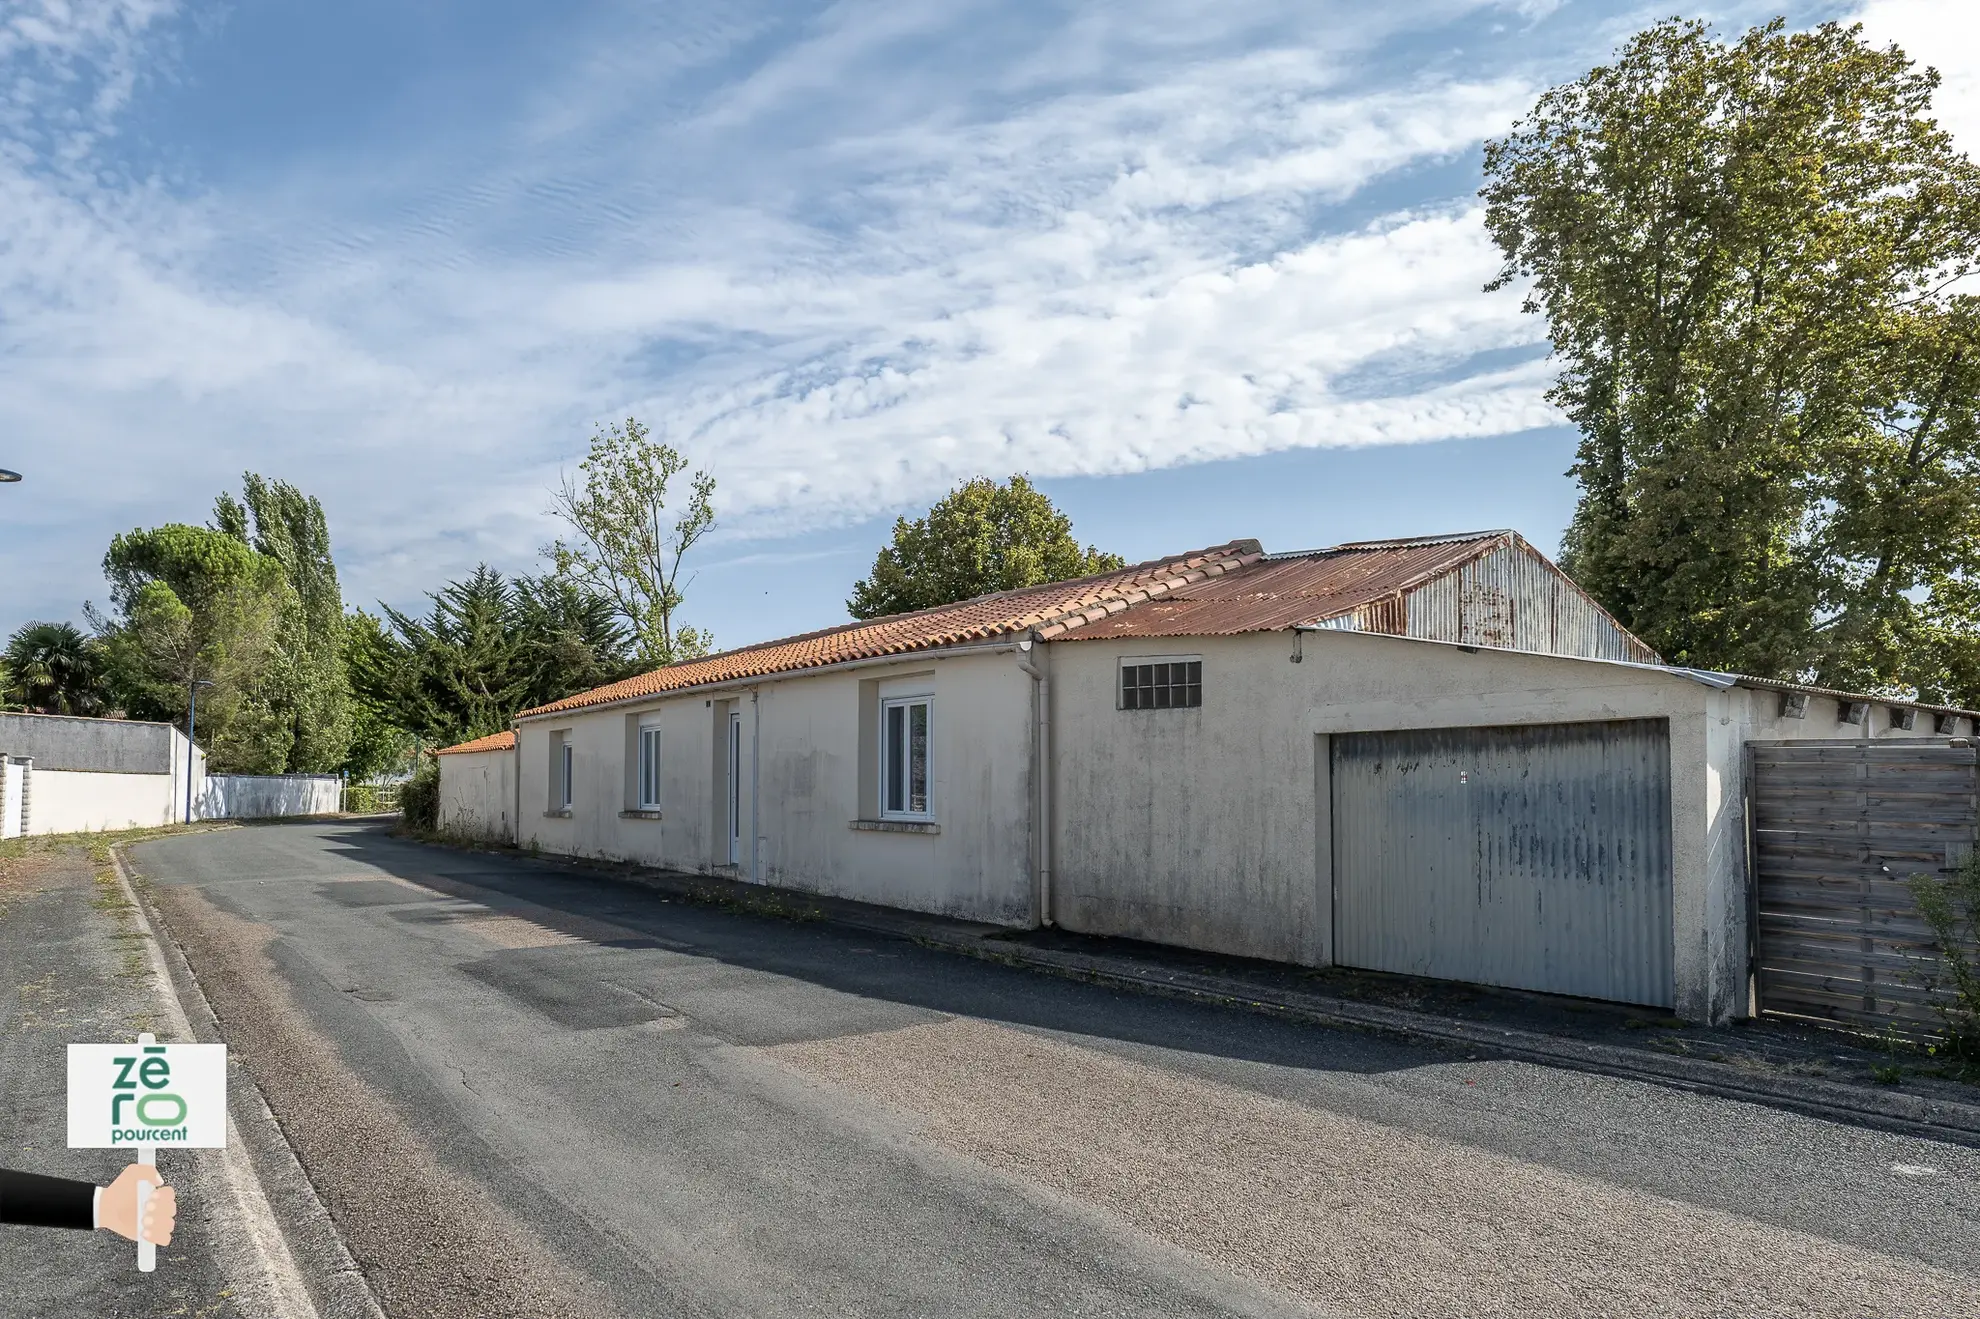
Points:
(1204, 270)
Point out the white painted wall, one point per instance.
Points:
(478, 794)
(807, 786)
(267, 796)
(69, 801)
(13, 777)
(1208, 828)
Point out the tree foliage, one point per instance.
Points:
(250, 604)
(980, 537)
(487, 648)
(282, 523)
(1950, 906)
(1745, 253)
(52, 668)
(624, 548)
(195, 604)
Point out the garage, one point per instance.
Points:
(1532, 857)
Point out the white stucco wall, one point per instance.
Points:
(13, 777)
(478, 794)
(805, 730)
(267, 796)
(63, 801)
(1208, 828)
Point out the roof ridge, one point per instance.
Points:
(1070, 619)
(1398, 542)
(1141, 581)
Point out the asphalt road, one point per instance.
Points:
(524, 1091)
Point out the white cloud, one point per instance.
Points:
(1036, 268)
(1944, 34)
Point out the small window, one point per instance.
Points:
(1162, 685)
(904, 734)
(564, 778)
(649, 768)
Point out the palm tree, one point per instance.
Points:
(52, 668)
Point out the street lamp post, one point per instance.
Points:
(192, 748)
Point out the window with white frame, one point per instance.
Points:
(649, 767)
(564, 776)
(1161, 684)
(905, 732)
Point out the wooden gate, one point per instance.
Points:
(1836, 831)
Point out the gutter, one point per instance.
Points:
(751, 683)
(1711, 678)
(1041, 752)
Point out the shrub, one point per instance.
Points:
(1951, 907)
(419, 798)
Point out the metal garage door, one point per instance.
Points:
(1532, 857)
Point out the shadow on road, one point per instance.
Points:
(783, 934)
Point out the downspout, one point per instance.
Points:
(755, 816)
(1041, 750)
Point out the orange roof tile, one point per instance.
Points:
(1049, 609)
(501, 741)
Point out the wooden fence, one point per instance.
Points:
(1837, 829)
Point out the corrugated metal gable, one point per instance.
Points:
(1479, 589)
(1512, 598)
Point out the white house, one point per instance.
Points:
(1435, 756)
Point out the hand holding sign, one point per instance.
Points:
(118, 1210)
(136, 1097)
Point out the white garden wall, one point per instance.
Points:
(267, 796)
(66, 801)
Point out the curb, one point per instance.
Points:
(310, 1272)
(1908, 1115)
(1902, 1114)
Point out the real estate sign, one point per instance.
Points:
(122, 1096)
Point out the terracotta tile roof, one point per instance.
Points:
(493, 742)
(1050, 609)
(1285, 590)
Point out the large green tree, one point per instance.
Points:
(1745, 251)
(283, 523)
(626, 547)
(250, 604)
(981, 537)
(487, 648)
(193, 604)
(52, 668)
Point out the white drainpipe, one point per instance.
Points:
(755, 817)
(1041, 744)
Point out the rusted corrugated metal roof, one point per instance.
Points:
(1484, 588)
(1051, 609)
(1283, 592)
